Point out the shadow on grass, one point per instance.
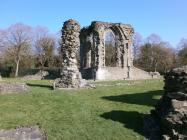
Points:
(130, 119)
(137, 98)
(39, 85)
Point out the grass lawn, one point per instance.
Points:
(112, 111)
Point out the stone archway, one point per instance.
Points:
(110, 48)
(95, 35)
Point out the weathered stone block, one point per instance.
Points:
(7, 88)
(23, 133)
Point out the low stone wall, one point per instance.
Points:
(118, 73)
(111, 73)
(23, 133)
(7, 88)
(141, 74)
(170, 113)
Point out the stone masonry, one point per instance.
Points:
(9, 88)
(170, 113)
(91, 42)
(23, 133)
(92, 50)
(70, 76)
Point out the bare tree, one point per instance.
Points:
(155, 54)
(163, 57)
(156, 57)
(182, 44)
(182, 52)
(137, 42)
(153, 39)
(1, 43)
(45, 46)
(17, 41)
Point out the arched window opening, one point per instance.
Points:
(110, 49)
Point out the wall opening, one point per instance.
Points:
(110, 49)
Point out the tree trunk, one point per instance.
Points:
(41, 70)
(17, 68)
(41, 67)
(155, 67)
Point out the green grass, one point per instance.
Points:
(112, 111)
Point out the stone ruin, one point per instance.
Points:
(169, 119)
(9, 88)
(23, 133)
(70, 75)
(90, 42)
(12, 87)
(93, 52)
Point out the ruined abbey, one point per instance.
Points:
(91, 43)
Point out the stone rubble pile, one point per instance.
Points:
(70, 75)
(170, 113)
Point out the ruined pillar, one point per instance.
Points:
(70, 76)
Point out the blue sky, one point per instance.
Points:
(167, 18)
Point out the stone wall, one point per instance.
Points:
(118, 73)
(111, 73)
(7, 88)
(138, 74)
(170, 113)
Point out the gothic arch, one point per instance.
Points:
(94, 34)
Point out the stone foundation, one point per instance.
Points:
(111, 73)
(23, 133)
(8, 88)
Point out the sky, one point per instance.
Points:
(167, 18)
